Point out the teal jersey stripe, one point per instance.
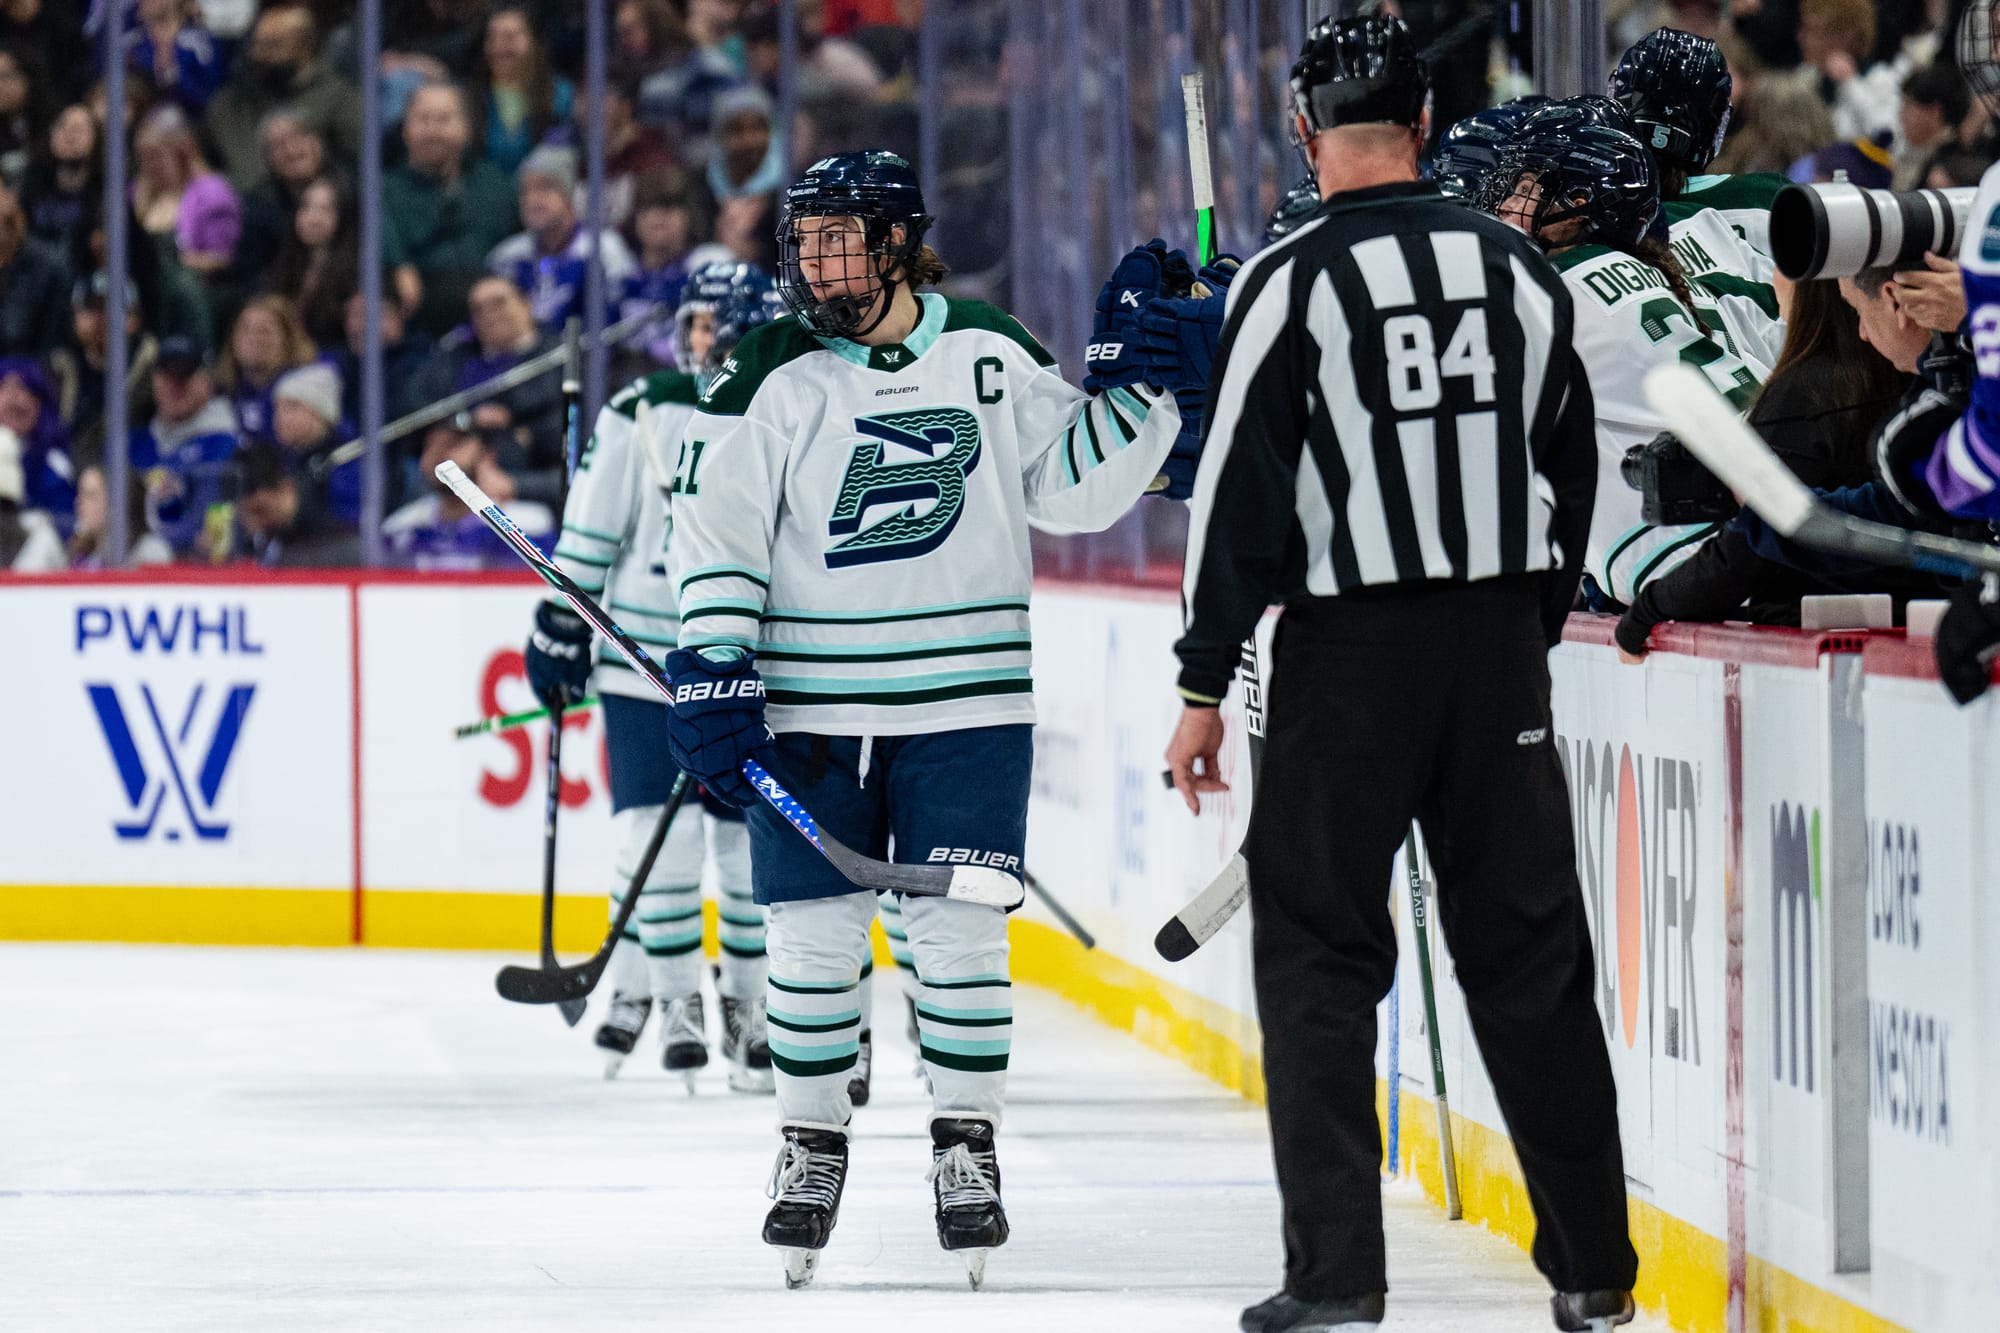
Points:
(729, 918)
(1125, 428)
(673, 948)
(831, 1025)
(894, 684)
(740, 950)
(885, 617)
(966, 983)
(582, 559)
(965, 1046)
(965, 1017)
(1090, 429)
(810, 987)
(572, 529)
(1011, 641)
(667, 918)
(1005, 1020)
(725, 572)
(971, 690)
(799, 1068)
(1071, 469)
(969, 1064)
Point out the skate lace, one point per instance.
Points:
(961, 1179)
(683, 1021)
(802, 1176)
(628, 1011)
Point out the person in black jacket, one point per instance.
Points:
(34, 287)
(1817, 412)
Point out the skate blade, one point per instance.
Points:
(687, 1076)
(800, 1265)
(759, 1081)
(975, 1266)
(613, 1062)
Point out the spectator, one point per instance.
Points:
(268, 340)
(93, 520)
(29, 543)
(712, 26)
(1952, 167)
(174, 301)
(411, 376)
(646, 35)
(1865, 162)
(520, 97)
(550, 260)
(1935, 100)
(436, 531)
(171, 49)
(750, 157)
(669, 216)
(320, 263)
(178, 195)
(430, 39)
(56, 31)
(523, 426)
(678, 95)
(445, 213)
(279, 522)
(308, 427)
(281, 67)
(185, 449)
(1779, 122)
(79, 373)
(28, 407)
(34, 287)
(631, 152)
(23, 114)
(65, 184)
(1835, 37)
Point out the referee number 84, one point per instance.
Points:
(1417, 372)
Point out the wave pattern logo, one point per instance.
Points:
(190, 767)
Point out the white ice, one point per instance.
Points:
(224, 1139)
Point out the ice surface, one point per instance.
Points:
(227, 1139)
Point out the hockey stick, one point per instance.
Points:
(569, 985)
(972, 884)
(1196, 924)
(1061, 913)
(571, 1010)
(1447, 1158)
(508, 721)
(1715, 434)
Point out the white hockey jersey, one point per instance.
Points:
(615, 524)
(1743, 201)
(859, 516)
(1627, 322)
(1715, 257)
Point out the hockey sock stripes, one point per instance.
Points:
(898, 933)
(740, 926)
(815, 1027)
(966, 1023)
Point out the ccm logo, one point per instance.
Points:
(1104, 351)
(967, 856)
(723, 689)
(1534, 737)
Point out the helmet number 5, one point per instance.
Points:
(1417, 373)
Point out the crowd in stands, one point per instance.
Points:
(244, 324)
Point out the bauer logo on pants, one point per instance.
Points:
(172, 757)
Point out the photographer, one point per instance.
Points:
(1830, 387)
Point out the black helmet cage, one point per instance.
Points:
(1978, 60)
(880, 191)
(1360, 71)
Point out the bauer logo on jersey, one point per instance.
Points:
(161, 750)
(903, 491)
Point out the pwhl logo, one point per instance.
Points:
(1795, 894)
(165, 744)
(1636, 851)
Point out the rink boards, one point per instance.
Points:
(1805, 1115)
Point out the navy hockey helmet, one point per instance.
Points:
(1675, 86)
(831, 274)
(1360, 71)
(1559, 172)
(1979, 52)
(733, 322)
(712, 290)
(1299, 204)
(1468, 151)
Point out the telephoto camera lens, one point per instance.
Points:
(1835, 230)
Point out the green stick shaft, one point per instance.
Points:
(508, 721)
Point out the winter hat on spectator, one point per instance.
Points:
(747, 97)
(97, 291)
(554, 165)
(179, 357)
(315, 387)
(1866, 162)
(13, 479)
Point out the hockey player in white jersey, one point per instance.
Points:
(1588, 195)
(851, 509)
(614, 538)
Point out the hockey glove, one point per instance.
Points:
(1178, 338)
(1184, 458)
(1903, 445)
(558, 656)
(1968, 637)
(1112, 359)
(717, 722)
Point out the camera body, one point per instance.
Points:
(1674, 487)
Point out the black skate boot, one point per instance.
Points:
(746, 1046)
(1288, 1314)
(806, 1182)
(619, 1032)
(683, 1038)
(857, 1082)
(966, 1179)
(1591, 1311)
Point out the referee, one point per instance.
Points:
(1397, 377)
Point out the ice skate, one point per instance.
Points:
(857, 1082)
(746, 1046)
(965, 1176)
(683, 1038)
(805, 1183)
(619, 1032)
(1591, 1311)
(1288, 1314)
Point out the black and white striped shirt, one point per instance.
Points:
(1394, 400)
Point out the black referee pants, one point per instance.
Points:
(1428, 702)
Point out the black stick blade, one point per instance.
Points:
(1174, 942)
(565, 986)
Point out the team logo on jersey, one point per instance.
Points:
(904, 490)
(187, 760)
(1989, 237)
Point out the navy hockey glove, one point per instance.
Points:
(1112, 359)
(1968, 637)
(558, 656)
(717, 722)
(1178, 337)
(1903, 445)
